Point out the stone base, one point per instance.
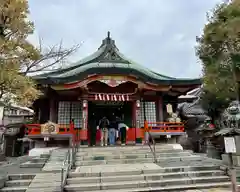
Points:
(138, 140)
(3, 179)
(212, 152)
(236, 159)
(172, 140)
(84, 142)
(2, 157)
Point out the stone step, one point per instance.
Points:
(31, 165)
(142, 177)
(91, 171)
(21, 176)
(116, 151)
(45, 182)
(140, 147)
(14, 189)
(129, 155)
(15, 183)
(136, 151)
(45, 189)
(111, 153)
(218, 187)
(138, 160)
(148, 183)
(55, 160)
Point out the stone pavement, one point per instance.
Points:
(50, 177)
(55, 161)
(108, 169)
(13, 166)
(131, 169)
(47, 178)
(209, 190)
(47, 182)
(123, 176)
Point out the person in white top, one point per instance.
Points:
(122, 127)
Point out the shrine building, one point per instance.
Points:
(105, 83)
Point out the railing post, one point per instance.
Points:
(146, 131)
(62, 175)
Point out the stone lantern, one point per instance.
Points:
(230, 128)
(231, 133)
(206, 132)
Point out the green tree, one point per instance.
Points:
(219, 50)
(18, 57)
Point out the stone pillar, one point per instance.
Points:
(138, 125)
(172, 140)
(1, 114)
(211, 151)
(83, 133)
(236, 156)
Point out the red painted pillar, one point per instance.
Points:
(83, 133)
(71, 126)
(134, 114)
(138, 139)
(134, 121)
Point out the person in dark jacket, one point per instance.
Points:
(104, 125)
(122, 127)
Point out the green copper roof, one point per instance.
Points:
(105, 61)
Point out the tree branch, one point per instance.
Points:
(55, 55)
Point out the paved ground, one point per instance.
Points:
(13, 166)
(117, 168)
(209, 190)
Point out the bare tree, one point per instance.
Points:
(50, 58)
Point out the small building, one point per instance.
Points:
(12, 119)
(105, 83)
(12, 113)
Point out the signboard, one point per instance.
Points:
(49, 128)
(230, 145)
(169, 108)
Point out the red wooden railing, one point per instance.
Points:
(132, 133)
(164, 127)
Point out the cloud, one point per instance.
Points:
(158, 34)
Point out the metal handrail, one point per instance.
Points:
(65, 168)
(69, 161)
(153, 150)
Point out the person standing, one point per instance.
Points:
(122, 127)
(112, 133)
(104, 125)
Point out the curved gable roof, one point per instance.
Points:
(107, 60)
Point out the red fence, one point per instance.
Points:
(132, 133)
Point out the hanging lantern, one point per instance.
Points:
(138, 104)
(84, 104)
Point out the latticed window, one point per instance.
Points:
(76, 113)
(70, 110)
(150, 109)
(64, 112)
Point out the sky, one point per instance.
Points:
(158, 34)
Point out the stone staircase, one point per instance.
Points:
(17, 182)
(55, 160)
(131, 169)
